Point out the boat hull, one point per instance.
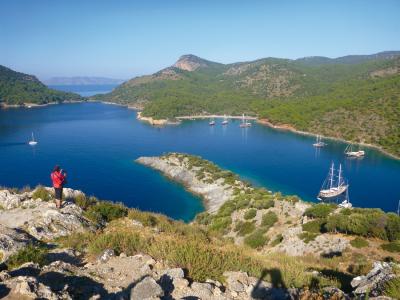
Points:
(332, 192)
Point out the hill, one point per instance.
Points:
(82, 80)
(353, 97)
(18, 88)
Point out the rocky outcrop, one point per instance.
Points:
(213, 193)
(24, 219)
(373, 283)
(190, 63)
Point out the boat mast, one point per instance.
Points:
(33, 139)
(340, 173)
(331, 179)
(398, 208)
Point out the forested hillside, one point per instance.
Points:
(19, 88)
(353, 97)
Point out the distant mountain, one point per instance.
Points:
(355, 97)
(19, 88)
(82, 80)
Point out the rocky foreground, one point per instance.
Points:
(69, 273)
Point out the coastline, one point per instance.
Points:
(33, 105)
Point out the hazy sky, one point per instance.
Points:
(122, 39)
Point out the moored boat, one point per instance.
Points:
(244, 122)
(334, 185)
(225, 121)
(349, 152)
(32, 142)
(319, 143)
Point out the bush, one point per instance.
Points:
(106, 211)
(278, 239)
(84, 202)
(307, 236)
(269, 219)
(256, 239)
(359, 242)
(146, 218)
(391, 247)
(29, 253)
(262, 203)
(41, 193)
(315, 226)
(250, 214)
(320, 210)
(393, 227)
(244, 228)
(221, 224)
(392, 288)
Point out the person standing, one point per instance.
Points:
(58, 177)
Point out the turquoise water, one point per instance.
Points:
(98, 143)
(86, 90)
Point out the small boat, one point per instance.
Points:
(212, 122)
(334, 185)
(351, 153)
(32, 142)
(346, 202)
(319, 143)
(244, 122)
(225, 121)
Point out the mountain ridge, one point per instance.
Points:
(81, 80)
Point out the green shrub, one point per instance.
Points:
(250, 214)
(393, 227)
(244, 228)
(359, 242)
(42, 193)
(392, 288)
(278, 239)
(392, 246)
(203, 218)
(262, 203)
(221, 224)
(146, 218)
(127, 242)
(106, 211)
(256, 239)
(84, 202)
(269, 219)
(30, 253)
(320, 210)
(307, 236)
(315, 226)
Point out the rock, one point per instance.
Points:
(174, 273)
(106, 255)
(236, 281)
(137, 223)
(11, 240)
(146, 289)
(373, 283)
(30, 288)
(9, 200)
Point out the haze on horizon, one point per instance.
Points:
(123, 39)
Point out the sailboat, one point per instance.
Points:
(32, 142)
(334, 185)
(225, 121)
(319, 143)
(351, 153)
(346, 202)
(244, 122)
(212, 122)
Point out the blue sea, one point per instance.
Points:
(97, 144)
(85, 90)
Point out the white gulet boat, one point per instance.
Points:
(225, 121)
(319, 143)
(212, 122)
(351, 153)
(244, 122)
(334, 185)
(32, 142)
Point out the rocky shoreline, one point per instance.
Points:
(213, 194)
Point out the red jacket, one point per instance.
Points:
(58, 179)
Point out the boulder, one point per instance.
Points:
(106, 255)
(373, 283)
(146, 289)
(11, 240)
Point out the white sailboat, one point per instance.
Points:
(319, 143)
(346, 202)
(225, 121)
(351, 153)
(244, 122)
(334, 185)
(212, 122)
(32, 142)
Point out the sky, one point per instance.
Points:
(124, 39)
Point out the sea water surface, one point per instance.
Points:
(98, 143)
(85, 90)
